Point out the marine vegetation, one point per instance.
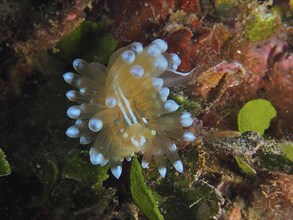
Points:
(125, 107)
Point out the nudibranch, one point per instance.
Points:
(124, 108)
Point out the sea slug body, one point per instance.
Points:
(124, 108)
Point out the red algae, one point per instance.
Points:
(138, 19)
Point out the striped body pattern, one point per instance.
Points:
(124, 108)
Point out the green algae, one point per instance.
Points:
(245, 144)
(78, 167)
(184, 196)
(245, 167)
(262, 24)
(200, 201)
(287, 150)
(141, 194)
(204, 200)
(89, 41)
(273, 158)
(252, 152)
(256, 115)
(227, 7)
(187, 105)
(4, 165)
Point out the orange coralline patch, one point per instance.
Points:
(235, 214)
(139, 19)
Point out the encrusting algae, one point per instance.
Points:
(124, 107)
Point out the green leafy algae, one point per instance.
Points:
(142, 195)
(244, 166)
(262, 23)
(89, 41)
(78, 167)
(256, 115)
(287, 149)
(4, 165)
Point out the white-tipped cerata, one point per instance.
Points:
(85, 140)
(128, 159)
(128, 103)
(71, 95)
(104, 162)
(142, 141)
(68, 77)
(186, 119)
(162, 44)
(128, 56)
(164, 93)
(136, 47)
(137, 71)
(82, 91)
(170, 105)
(79, 64)
(95, 124)
(72, 132)
(158, 83)
(163, 171)
(134, 142)
(185, 115)
(161, 63)
(96, 158)
(172, 147)
(174, 61)
(78, 122)
(178, 166)
(73, 112)
(188, 136)
(111, 102)
(116, 171)
(154, 50)
(144, 164)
